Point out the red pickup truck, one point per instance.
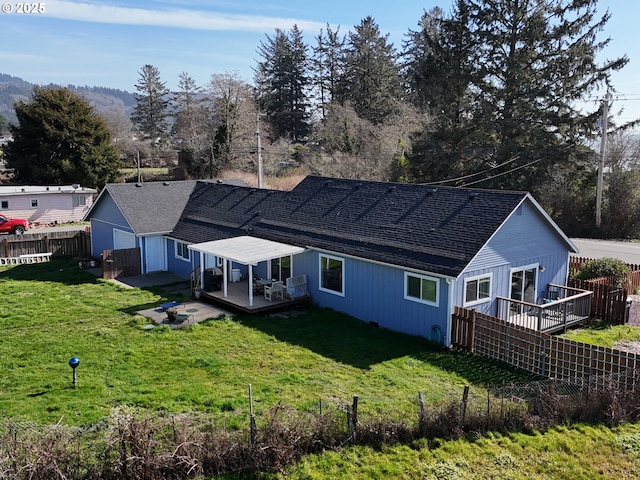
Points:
(16, 226)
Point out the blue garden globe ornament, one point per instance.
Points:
(73, 363)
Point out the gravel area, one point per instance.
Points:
(634, 314)
(634, 320)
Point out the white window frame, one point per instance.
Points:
(79, 201)
(422, 278)
(184, 248)
(477, 278)
(320, 262)
(35, 203)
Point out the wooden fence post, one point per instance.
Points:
(473, 330)
(422, 420)
(252, 420)
(353, 419)
(463, 406)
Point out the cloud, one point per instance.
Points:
(176, 18)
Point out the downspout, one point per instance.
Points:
(451, 283)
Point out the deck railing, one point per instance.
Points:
(561, 307)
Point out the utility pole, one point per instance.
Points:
(138, 163)
(603, 153)
(259, 150)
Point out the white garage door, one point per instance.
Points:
(123, 240)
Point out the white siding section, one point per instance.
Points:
(54, 206)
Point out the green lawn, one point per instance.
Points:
(54, 311)
(604, 335)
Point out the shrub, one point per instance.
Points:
(604, 267)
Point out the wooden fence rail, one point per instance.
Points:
(65, 244)
(542, 354)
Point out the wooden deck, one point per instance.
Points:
(552, 317)
(238, 299)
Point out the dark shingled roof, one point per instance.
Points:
(219, 211)
(435, 229)
(150, 207)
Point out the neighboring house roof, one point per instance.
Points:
(428, 228)
(150, 207)
(12, 190)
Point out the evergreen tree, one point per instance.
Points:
(282, 83)
(4, 125)
(150, 112)
(438, 72)
(61, 140)
(327, 67)
(371, 82)
(531, 62)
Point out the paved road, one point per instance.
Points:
(628, 252)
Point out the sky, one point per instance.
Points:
(106, 43)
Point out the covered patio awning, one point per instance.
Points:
(245, 251)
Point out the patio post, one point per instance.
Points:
(250, 285)
(224, 275)
(201, 270)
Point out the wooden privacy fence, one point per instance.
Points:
(121, 263)
(609, 302)
(542, 354)
(64, 244)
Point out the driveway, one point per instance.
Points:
(628, 252)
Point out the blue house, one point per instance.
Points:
(128, 215)
(400, 256)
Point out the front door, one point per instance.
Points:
(523, 284)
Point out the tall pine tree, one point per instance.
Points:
(531, 62)
(150, 113)
(282, 83)
(371, 82)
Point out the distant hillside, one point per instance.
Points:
(14, 89)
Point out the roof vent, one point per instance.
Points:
(357, 186)
(252, 190)
(165, 183)
(138, 184)
(391, 189)
(473, 194)
(47, 189)
(431, 191)
(328, 183)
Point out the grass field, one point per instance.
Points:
(53, 311)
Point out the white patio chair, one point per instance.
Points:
(273, 290)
